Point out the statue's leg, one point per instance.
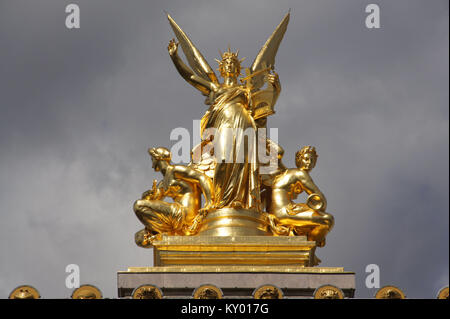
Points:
(314, 224)
(159, 216)
(324, 223)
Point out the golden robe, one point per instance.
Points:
(236, 182)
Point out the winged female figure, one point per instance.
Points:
(232, 105)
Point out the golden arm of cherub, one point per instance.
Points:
(309, 218)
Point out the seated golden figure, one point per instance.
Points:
(184, 185)
(309, 218)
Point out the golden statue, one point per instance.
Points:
(243, 194)
(232, 106)
(184, 185)
(307, 218)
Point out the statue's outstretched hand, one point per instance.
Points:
(173, 47)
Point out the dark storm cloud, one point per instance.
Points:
(79, 108)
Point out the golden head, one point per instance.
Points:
(230, 65)
(159, 154)
(306, 158)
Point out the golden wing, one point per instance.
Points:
(194, 57)
(266, 56)
(205, 163)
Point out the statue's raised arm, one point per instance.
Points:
(200, 74)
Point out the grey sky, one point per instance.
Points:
(79, 108)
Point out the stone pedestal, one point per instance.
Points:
(237, 265)
(235, 281)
